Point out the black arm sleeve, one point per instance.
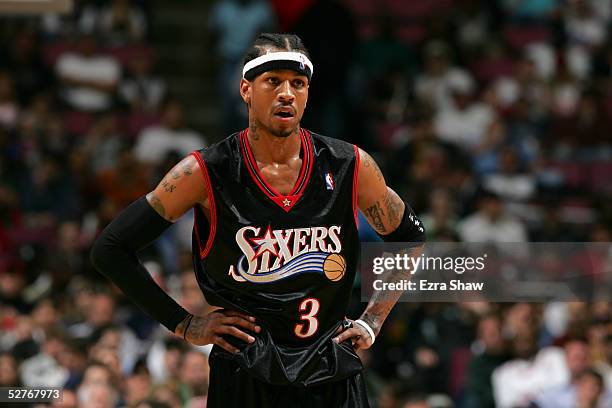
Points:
(410, 229)
(114, 255)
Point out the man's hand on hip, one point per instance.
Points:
(209, 329)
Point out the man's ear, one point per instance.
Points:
(245, 91)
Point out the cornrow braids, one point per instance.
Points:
(279, 41)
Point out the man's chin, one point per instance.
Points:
(283, 132)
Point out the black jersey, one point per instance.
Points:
(289, 260)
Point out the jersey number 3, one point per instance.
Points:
(308, 313)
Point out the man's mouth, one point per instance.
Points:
(284, 113)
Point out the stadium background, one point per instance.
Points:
(491, 117)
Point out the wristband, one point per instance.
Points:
(367, 328)
(187, 327)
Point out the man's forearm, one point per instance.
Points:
(114, 256)
(382, 301)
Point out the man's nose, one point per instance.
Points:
(286, 92)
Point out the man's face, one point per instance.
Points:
(276, 100)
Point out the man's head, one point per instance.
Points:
(577, 356)
(589, 387)
(276, 76)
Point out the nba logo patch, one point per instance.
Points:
(329, 181)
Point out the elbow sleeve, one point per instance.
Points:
(410, 229)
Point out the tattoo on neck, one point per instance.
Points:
(253, 130)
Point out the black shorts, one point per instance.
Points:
(231, 386)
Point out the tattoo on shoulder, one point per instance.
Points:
(156, 204)
(187, 171)
(375, 214)
(368, 161)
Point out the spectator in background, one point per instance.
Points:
(98, 312)
(9, 108)
(384, 50)
(103, 144)
(89, 79)
(138, 385)
(435, 85)
(117, 346)
(232, 41)
(489, 353)
(491, 223)
(97, 395)
(69, 400)
(171, 135)
(118, 22)
(531, 370)
(583, 135)
(164, 359)
(124, 183)
(24, 60)
(43, 369)
(9, 371)
(463, 121)
(415, 402)
(193, 376)
(583, 26)
(96, 372)
(577, 362)
(588, 391)
(141, 89)
(168, 396)
(603, 365)
(510, 182)
(47, 195)
(442, 215)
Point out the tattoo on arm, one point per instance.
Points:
(393, 204)
(382, 301)
(375, 214)
(156, 204)
(368, 161)
(187, 171)
(167, 186)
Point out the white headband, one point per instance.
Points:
(280, 56)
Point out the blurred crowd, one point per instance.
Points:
(491, 117)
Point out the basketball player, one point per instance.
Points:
(275, 246)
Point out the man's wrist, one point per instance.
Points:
(183, 325)
(371, 321)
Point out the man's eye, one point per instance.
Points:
(298, 83)
(273, 81)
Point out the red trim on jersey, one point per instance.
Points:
(212, 207)
(356, 186)
(286, 202)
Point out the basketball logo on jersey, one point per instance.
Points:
(272, 255)
(329, 181)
